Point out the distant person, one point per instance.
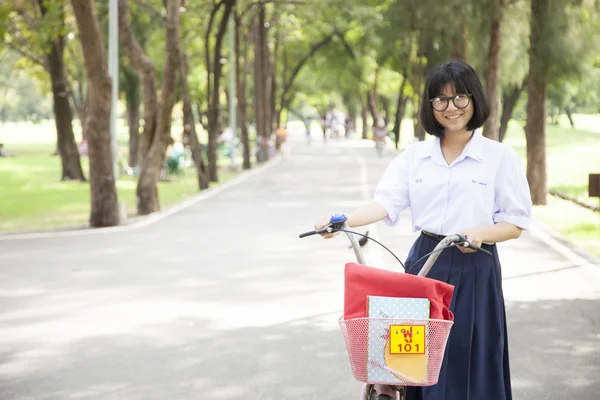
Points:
(307, 122)
(349, 127)
(380, 134)
(83, 148)
(281, 134)
(226, 139)
(3, 152)
(380, 131)
(327, 125)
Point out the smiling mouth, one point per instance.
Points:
(451, 117)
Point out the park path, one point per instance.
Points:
(221, 300)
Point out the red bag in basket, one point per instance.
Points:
(361, 281)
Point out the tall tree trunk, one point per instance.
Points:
(510, 98)
(459, 44)
(535, 128)
(385, 105)
(242, 103)
(419, 132)
(272, 62)
(146, 73)
(147, 202)
(133, 121)
(259, 98)
(214, 80)
(63, 115)
(79, 103)
(267, 75)
(132, 98)
(147, 190)
(372, 97)
(262, 87)
(105, 211)
(400, 107)
(418, 76)
(363, 116)
(157, 121)
(490, 128)
(189, 126)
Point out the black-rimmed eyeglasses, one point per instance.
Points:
(440, 103)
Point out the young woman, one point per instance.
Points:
(460, 182)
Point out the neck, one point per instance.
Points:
(457, 138)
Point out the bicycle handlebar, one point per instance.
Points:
(337, 223)
(310, 233)
(465, 243)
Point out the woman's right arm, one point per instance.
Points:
(390, 198)
(368, 213)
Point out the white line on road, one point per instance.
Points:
(374, 252)
(150, 219)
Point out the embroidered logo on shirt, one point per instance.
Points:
(419, 180)
(479, 183)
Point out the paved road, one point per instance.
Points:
(221, 300)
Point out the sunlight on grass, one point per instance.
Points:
(41, 204)
(576, 224)
(32, 197)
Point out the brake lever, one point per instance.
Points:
(465, 243)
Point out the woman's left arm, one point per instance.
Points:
(500, 232)
(512, 205)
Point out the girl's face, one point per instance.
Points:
(453, 118)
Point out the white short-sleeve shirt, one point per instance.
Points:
(486, 184)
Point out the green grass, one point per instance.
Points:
(572, 154)
(576, 224)
(32, 197)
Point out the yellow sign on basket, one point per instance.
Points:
(407, 339)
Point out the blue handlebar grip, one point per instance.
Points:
(338, 219)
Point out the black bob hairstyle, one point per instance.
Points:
(465, 81)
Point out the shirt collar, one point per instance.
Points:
(473, 149)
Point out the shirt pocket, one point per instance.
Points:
(474, 187)
(429, 182)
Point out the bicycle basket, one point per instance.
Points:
(396, 351)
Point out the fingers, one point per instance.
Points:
(322, 223)
(466, 250)
(329, 235)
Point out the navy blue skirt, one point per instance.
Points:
(475, 365)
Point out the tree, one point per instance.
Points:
(557, 49)
(242, 67)
(214, 71)
(104, 210)
(36, 30)
(189, 126)
(263, 83)
(490, 128)
(157, 118)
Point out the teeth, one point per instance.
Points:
(453, 116)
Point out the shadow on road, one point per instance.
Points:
(562, 351)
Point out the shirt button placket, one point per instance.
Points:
(448, 173)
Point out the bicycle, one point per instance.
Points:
(355, 330)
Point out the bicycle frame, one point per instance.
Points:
(338, 223)
(446, 242)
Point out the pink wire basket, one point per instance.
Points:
(395, 351)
